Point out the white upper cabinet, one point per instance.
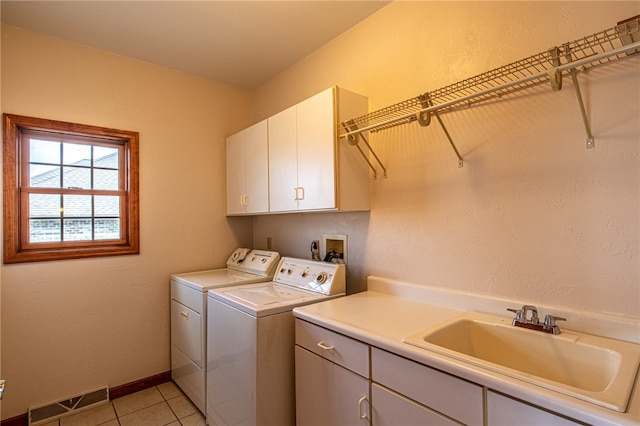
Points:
(310, 169)
(248, 171)
(294, 160)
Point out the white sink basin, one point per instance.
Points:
(595, 369)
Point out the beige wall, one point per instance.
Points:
(1, 222)
(72, 326)
(532, 215)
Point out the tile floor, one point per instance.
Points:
(160, 405)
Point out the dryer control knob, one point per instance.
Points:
(321, 278)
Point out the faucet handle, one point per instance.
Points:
(518, 313)
(550, 320)
(550, 324)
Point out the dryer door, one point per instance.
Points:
(186, 331)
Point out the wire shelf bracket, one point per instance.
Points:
(601, 48)
(350, 126)
(424, 119)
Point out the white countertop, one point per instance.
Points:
(388, 312)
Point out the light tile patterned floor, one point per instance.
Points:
(160, 405)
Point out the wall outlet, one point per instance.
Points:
(333, 248)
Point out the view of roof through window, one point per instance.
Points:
(55, 217)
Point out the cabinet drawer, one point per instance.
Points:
(391, 409)
(449, 395)
(342, 350)
(502, 410)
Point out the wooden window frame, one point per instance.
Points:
(17, 248)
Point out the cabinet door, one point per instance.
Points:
(391, 409)
(327, 394)
(257, 168)
(248, 171)
(316, 151)
(235, 174)
(503, 411)
(283, 161)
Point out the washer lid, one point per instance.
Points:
(268, 295)
(263, 299)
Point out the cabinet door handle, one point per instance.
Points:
(322, 345)
(299, 190)
(363, 414)
(244, 200)
(184, 314)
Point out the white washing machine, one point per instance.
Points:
(189, 314)
(250, 343)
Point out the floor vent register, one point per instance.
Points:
(68, 406)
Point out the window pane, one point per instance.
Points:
(107, 206)
(77, 206)
(107, 229)
(42, 151)
(44, 230)
(105, 179)
(44, 205)
(44, 176)
(76, 154)
(77, 229)
(76, 177)
(106, 158)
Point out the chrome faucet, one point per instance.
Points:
(532, 321)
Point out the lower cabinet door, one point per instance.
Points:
(392, 409)
(327, 394)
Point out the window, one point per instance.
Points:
(70, 190)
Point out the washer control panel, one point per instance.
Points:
(320, 277)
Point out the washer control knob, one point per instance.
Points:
(321, 278)
(304, 274)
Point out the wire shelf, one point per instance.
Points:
(598, 49)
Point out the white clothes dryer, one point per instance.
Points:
(250, 342)
(189, 313)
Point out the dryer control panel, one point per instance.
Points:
(258, 262)
(320, 277)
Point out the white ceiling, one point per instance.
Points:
(242, 43)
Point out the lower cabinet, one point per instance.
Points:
(332, 378)
(343, 381)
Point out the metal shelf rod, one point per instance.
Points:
(541, 75)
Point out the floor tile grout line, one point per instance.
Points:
(145, 408)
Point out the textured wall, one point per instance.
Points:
(532, 215)
(72, 326)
